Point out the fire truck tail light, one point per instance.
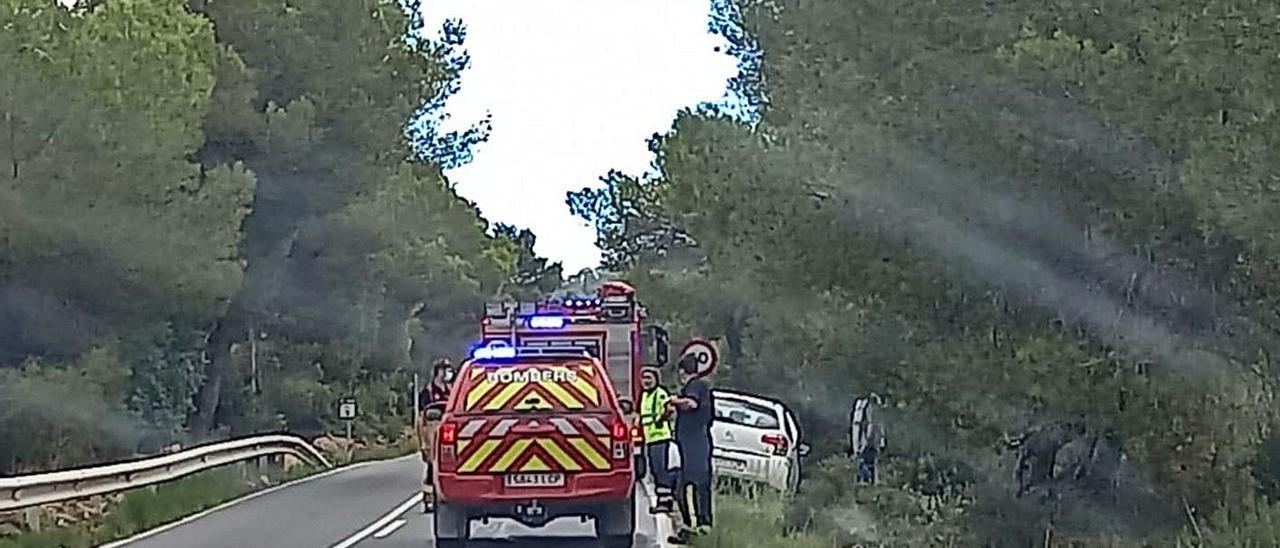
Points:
(621, 433)
(620, 430)
(449, 433)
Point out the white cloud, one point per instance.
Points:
(575, 88)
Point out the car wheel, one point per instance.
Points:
(616, 524)
(618, 541)
(450, 525)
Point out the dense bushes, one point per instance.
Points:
(212, 222)
(999, 218)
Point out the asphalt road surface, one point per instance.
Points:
(374, 505)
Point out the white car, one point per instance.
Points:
(756, 439)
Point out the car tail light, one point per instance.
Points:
(447, 439)
(777, 441)
(449, 433)
(621, 433)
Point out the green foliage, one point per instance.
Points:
(1253, 527)
(61, 415)
(211, 233)
(892, 513)
(997, 218)
(534, 275)
(102, 207)
(743, 522)
(166, 370)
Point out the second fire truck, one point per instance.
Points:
(611, 325)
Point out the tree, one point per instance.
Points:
(237, 206)
(534, 275)
(994, 217)
(355, 237)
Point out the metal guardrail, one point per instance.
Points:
(50, 487)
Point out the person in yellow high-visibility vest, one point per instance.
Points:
(655, 418)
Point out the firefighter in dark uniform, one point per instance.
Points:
(436, 392)
(433, 396)
(694, 412)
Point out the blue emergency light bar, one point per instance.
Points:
(580, 302)
(500, 350)
(493, 352)
(547, 322)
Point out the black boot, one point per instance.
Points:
(681, 538)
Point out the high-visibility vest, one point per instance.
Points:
(652, 405)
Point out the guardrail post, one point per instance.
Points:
(276, 464)
(249, 470)
(31, 516)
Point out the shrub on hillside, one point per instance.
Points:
(832, 504)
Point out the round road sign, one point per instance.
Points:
(704, 352)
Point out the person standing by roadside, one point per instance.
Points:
(433, 396)
(436, 392)
(655, 417)
(694, 412)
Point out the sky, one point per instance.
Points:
(575, 88)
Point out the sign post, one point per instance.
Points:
(705, 354)
(347, 411)
(417, 419)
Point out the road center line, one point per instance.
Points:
(386, 531)
(381, 523)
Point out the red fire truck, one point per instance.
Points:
(543, 411)
(611, 326)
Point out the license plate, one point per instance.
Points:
(548, 479)
(731, 464)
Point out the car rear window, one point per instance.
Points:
(745, 413)
(535, 387)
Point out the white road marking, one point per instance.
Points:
(173, 525)
(376, 526)
(386, 531)
(664, 524)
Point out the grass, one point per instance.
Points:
(142, 509)
(754, 520)
(146, 508)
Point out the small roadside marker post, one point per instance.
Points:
(347, 411)
(416, 412)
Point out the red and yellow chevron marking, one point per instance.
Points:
(491, 451)
(569, 395)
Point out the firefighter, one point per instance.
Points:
(693, 437)
(437, 391)
(433, 396)
(655, 417)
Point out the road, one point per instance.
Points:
(374, 505)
